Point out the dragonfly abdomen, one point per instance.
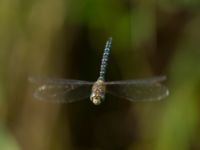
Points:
(105, 58)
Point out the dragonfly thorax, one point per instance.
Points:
(98, 92)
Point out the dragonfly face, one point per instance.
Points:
(98, 92)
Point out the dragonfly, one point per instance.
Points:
(68, 91)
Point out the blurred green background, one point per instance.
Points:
(65, 39)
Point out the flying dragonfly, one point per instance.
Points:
(68, 91)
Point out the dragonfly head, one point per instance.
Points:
(96, 99)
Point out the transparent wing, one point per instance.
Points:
(61, 90)
(139, 90)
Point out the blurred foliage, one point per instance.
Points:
(7, 142)
(65, 39)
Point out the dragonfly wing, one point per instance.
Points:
(61, 90)
(139, 90)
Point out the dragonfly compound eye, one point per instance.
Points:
(96, 100)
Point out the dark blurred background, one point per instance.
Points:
(65, 39)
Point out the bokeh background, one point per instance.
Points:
(65, 39)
